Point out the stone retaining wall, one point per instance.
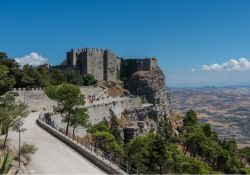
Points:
(35, 98)
(99, 111)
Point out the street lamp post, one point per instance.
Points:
(19, 146)
(19, 127)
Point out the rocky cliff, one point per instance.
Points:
(150, 85)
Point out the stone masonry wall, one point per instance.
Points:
(35, 98)
(98, 112)
(101, 63)
(95, 63)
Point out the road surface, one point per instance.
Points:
(52, 156)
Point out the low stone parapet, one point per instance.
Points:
(103, 164)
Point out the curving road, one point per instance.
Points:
(52, 156)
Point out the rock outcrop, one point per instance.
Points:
(150, 85)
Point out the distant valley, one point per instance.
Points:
(227, 109)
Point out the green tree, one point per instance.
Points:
(79, 117)
(101, 126)
(190, 118)
(3, 55)
(114, 126)
(107, 143)
(5, 162)
(192, 166)
(245, 154)
(7, 81)
(68, 97)
(139, 155)
(10, 114)
(89, 79)
(73, 77)
(57, 77)
(230, 146)
(207, 130)
(157, 156)
(165, 130)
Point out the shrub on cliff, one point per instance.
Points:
(89, 79)
(190, 118)
(102, 126)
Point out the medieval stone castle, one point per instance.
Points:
(103, 64)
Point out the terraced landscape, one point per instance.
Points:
(226, 108)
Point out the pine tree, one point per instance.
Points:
(114, 127)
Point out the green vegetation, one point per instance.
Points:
(68, 96)
(114, 127)
(102, 126)
(107, 143)
(26, 150)
(107, 136)
(5, 162)
(190, 118)
(89, 79)
(7, 81)
(195, 150)
(79, 117)
(10, 114)
(3, 55)
(11, 75)
(245, 154)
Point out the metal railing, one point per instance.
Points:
(109, 158)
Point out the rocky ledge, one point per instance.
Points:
(151, 86)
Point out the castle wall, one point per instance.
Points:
(95, 63)
(35, 99)
(83, 63)
(110, 66)
(98, 112)
(102, 64)
(70, 59)
(147, 64)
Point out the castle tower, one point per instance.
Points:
(102, 64)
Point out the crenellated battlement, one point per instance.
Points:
(90, 50)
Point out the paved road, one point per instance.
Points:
(52, 156)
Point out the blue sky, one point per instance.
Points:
(183, 34)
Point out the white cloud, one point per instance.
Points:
(193, 70)
(242, 64)
(33, 59)
(212, 67)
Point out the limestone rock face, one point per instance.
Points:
(151, 86)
